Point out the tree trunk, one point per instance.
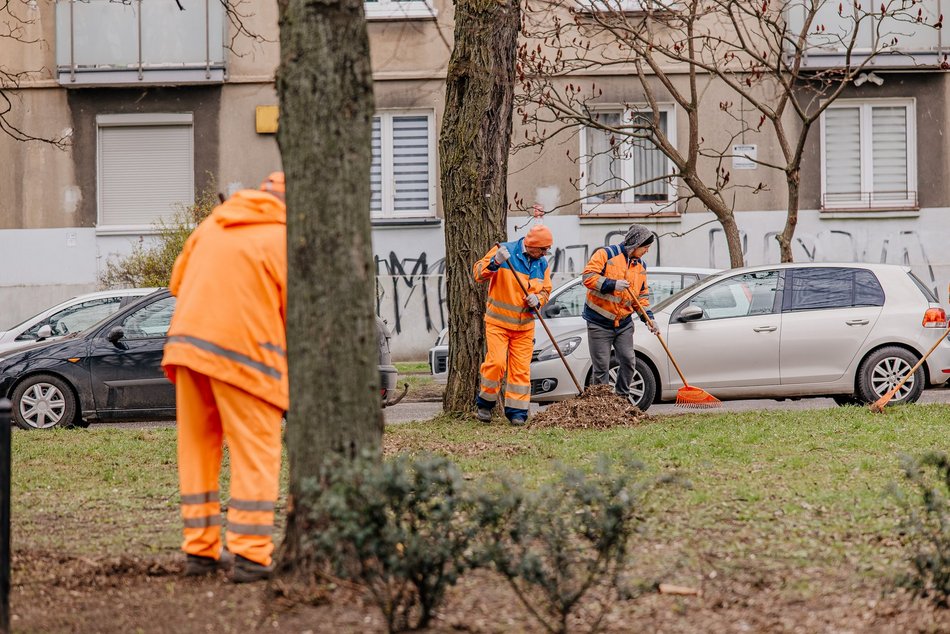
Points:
(474, 146)
(791, 219)
(726, 216)
(326, 107)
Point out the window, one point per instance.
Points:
(568, 303)
(739, 296)
(622, 172)
(75, 318)
(150, 321)
(145, 169)
(396, 9)
(402, 176)
(869, 154)
(663, 285)
(817, 288)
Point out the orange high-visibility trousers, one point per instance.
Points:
(509, 349)
(210, 411)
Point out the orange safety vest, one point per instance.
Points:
(606, 306)
(506, 304)
(231, 283)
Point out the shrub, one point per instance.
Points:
(927, 521)
(399, 529)
(556, 545)
(150, 264)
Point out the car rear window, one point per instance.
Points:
(928, 293)
(819, 288)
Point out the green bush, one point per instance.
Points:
(399, 528)
(557, 544)
(150, 264)
(927, 521)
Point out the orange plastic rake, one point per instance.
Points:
(688, 395)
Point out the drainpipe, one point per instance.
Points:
(207, 39)
(139, 21)
(72, 42)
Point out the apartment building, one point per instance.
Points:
(157, 100)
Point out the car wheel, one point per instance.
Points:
(882, 370)
(43, 401)
(642, 386)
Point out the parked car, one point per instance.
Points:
(563, 312)
(784, 331)
(73, 315)
(110, 372)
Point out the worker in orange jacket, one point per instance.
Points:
(611, 275)
(509, 320)
(227, 355)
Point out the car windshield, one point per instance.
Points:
(676, 296)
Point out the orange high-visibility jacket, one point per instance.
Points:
(506, 304)
(606, 306)
(231, 284)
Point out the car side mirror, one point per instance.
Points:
(45, 332)
(552, 310)
(115, 335)
(691, 313)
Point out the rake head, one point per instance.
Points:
(878, 406)
(694, 397)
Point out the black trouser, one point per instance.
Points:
(600, 340)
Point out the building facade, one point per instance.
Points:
(156, 102)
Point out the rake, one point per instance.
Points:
(878, 406)
(688, 395)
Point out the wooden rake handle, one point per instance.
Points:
(550, 336)
(639, 307)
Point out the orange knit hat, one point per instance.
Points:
(539, 236)
(274, 183)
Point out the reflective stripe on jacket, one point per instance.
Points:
(506, 305)
(231, 284)
(605, 305)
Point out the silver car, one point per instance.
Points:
(563, 312)
(783, 331)
(73, 315)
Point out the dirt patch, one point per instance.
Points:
(57, 593)
(597, 408)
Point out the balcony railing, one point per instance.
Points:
(103, 42)
(893, 38)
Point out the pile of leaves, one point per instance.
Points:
(597, 408)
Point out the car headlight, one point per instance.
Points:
(567, 346)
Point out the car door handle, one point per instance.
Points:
(765, 329)
(857, 322)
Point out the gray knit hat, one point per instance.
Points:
(637, 236)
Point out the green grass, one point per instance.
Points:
(412, 367)
(797, 488)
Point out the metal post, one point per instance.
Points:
(5, 422)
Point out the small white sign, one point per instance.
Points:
(71, 240)
(743, 157)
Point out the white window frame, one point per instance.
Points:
(629, 207)
(387, 211)
(396, 10)
(867, 156)
(136, 120)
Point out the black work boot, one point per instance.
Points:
(517, 421)
(247, 571)
(483, 414)
(196, 565)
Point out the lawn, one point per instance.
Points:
(788, 513)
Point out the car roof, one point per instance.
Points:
(872, 266)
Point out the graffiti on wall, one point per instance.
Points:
(411, 290)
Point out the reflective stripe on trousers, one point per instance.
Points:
(507, 350)
(208, 412)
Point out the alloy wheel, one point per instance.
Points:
(42, 406)
(887, 374)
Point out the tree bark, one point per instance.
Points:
(725, 214)
(791, 219)
(473, 147)
(326, 106)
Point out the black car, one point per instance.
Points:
(110, 372)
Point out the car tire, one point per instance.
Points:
(643, 386)
(880, 372)
(43, 401)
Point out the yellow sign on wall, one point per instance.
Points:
(266, 119)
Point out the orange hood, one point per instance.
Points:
(250, 207)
